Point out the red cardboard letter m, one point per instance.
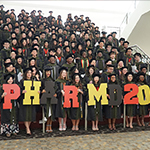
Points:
(68, 96)
(13, 92)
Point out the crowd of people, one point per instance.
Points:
(38, 48)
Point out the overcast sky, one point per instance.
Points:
(103, 13)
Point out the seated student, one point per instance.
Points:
(112, 112)
(93, 62)
(55, 68)
(95, 113)
(20, 65)
(76, 113)
(112, 56)
(128, 59)
(119, 65)
(89, 74)
(5, 52)
(69, 63)
(100, 61)
(84, 62)
(9, 119)
(59, 56)
(138, 62)
(67, 51)
(141, 110)
(131, 108)
(61, 113)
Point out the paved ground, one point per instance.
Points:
(117, 141)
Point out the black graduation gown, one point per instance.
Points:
(96, 110)
(26, 112)
(60, 111)
(130, 108)
(48, 106)
(111, 112)
(76, 113)
(141, 109)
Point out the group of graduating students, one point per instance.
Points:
(37, 48)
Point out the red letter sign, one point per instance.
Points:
(69, 96)
(13, 92)
(128, 97)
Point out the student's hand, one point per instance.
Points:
(24, 91)
(90, 82)
(4, 94)
(39, 92)
(63, 93)
(55, 95)
(44, 91)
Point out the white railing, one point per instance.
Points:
(145, 57)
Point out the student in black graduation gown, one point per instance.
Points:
(27, 113)
(95, 112)
(112, 112)
(61, 113)
(76, 113)
(50, 109)
(131, 108)
(141, 110)
(9, 117)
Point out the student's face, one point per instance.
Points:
(67, 49)
(29, 74)
(10, 68)
(76, 71)
(19, 60)
(34, 53)
(112, 56)
(125, 45)
(48, 73)
(113, 78)
(32, 62)
(141, 78)
(19, 50)
(7, 61)
(33, 71)
(101, 44)
(120, 64)
(10, 81)
(144, 70)
(110, 69)
(6, 45)
(52, 60)
(99, 54)
(125, 70)
(59, 51)
(96, 79)
(130, 77)
(129, 52)
(77, 79)
(93, 63)
(108, 48)
(64, 74)
(91, 71)
(84, 54)
(69, 60)
(89, 52)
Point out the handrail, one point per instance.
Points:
(140, 50)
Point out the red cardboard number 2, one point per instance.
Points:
(128, 98)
